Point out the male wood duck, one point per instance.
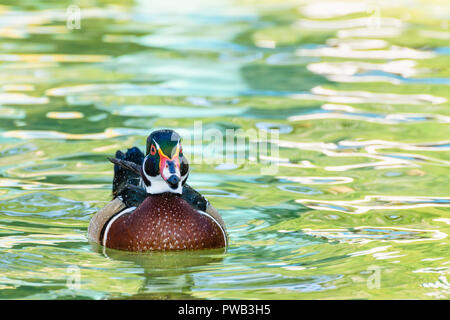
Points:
(153, 208)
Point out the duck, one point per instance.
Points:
(152, 206)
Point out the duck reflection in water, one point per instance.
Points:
(167, 274)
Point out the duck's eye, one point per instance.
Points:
(152, 150)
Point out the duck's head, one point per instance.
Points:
(165, 169)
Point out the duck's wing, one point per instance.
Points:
(126, 181)
(101, 217)
(126, 168)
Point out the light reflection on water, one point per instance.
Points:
(362, 179)
(377, 203)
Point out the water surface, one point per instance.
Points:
(359, 91)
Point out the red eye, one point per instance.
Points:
(152, 150)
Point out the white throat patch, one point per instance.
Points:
(158, 185)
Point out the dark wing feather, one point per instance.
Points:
(127, 176)
(194, 198)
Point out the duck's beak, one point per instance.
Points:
(170, 170)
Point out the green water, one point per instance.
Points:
(359, 207)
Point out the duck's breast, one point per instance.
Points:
(164, 222)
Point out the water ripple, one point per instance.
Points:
(365, 234)
(371, 147)
(376, 203)
(321, 93)
(48, 134)
(338, 111)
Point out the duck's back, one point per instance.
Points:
(163, 222)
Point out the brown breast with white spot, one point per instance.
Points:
(164, 222)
